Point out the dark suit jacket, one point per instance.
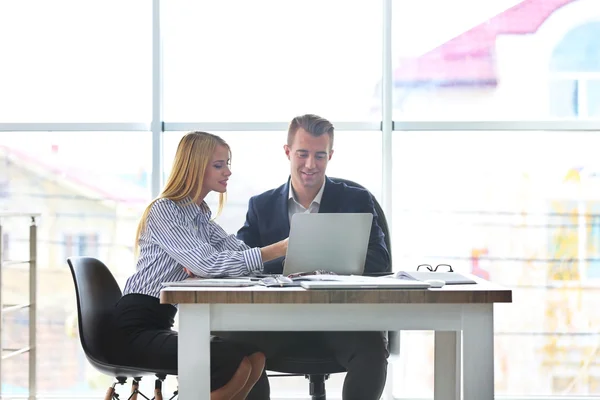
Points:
(267, 221)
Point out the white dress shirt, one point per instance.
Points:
(294, 205)
(179, 235)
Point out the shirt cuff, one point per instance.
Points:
(253, 259)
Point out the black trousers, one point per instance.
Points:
(141, 334)
(363, 354)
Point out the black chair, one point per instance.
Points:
(316, 364)
(97, 293)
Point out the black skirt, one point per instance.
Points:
(141, 335)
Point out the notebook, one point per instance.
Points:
(398, 284)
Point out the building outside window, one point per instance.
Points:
(574, 89)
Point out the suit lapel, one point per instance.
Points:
(281, 212)
(329, 199)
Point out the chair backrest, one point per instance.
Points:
(381, 220)
(393, 336)
(97, 293)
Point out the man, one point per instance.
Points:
(309, 148)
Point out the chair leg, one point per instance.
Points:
(135, 386)
(158, 387)
(175, 393)
(317, 386)
(110, 393)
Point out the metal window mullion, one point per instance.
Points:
(1, 308)
(32, 309)
(157, 101)
(545, 125)
(73, 126)
(386, 113)
(262, 126)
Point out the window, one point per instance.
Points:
(574, 98)
(564, 98)
(522, 196)
(91, 188)
(514, 60)
(223, 65)
(575, 74)
(593, 97)
(73, 61)
(517, 206)
(81, 245)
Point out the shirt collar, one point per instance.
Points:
(193, 210)
(317, 199)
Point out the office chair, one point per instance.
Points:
(317, 364)
(97, 292)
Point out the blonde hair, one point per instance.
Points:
(194, 153)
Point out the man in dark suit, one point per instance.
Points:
(309, 148)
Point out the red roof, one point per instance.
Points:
(103, 185)
(468, 59)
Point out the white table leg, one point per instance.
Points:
(447, 365)
(478, 352)
(388, 390)
(193, 364)
(393, 359)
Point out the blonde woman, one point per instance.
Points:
(176, 237)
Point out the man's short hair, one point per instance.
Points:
(312, 124)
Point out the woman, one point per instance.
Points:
(177, 237)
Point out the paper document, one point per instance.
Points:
(451, 278)
(284, 281)
(212, 282)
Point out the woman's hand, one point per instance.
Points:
(187, 271)
(284, 245)
(274, 250)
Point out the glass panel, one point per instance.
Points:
(551, 363)
(74, 61)
(578, 50)
(563, 98)
(593, 92)
(322, 57)
(473, 60)
(520, 209)
(90, 189)
(259, 164)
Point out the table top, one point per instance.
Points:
(482, 292)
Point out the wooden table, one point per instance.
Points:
(466, 309)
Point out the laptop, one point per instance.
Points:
(371, 284)
(333, 242)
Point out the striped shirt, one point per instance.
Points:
(181, 235)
